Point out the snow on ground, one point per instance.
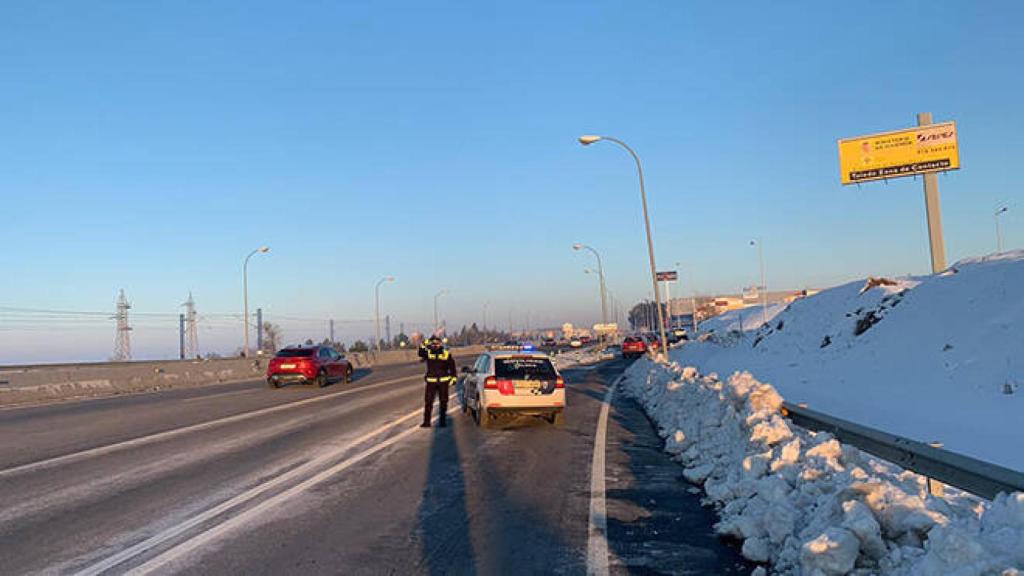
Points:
(933, 358)
(583, 356)
(805, 504)
(749, 318)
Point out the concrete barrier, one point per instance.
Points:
(48, 382)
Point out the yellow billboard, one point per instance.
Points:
(931, 148)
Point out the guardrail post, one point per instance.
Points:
(935, 488)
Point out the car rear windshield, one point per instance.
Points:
(631, 339)
(524, 368)
(295, 352)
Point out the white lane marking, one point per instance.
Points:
(213, 532)
(597, 539)
(142, 440)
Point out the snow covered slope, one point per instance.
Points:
(934, 358)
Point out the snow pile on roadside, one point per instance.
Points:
(574, 357)
(933, 358)
(745, 319)
(806, 504)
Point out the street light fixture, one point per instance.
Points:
(764, 288)
(245, 295)
(376, 295)
(590, 139)
(999, 232)
(436, 296)
(600, 273)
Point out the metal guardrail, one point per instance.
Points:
(975, 476)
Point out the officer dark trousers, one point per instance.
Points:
(435, 388)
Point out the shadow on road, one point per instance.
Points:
(442, 518)
(360, 373)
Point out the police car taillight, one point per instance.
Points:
(559, 382)
(490, 383)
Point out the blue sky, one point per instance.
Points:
(151, 145)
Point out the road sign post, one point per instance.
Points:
(932, 207)
(667, 277)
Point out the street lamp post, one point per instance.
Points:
(376, 300)
(245, 295)
(600, 274)
(999, 231)
(442, 292)
(764, 288)
(604, 316)
(590, 139)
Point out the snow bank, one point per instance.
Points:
(806, 504)
(574, 357)
(745, 319)
(933, 358)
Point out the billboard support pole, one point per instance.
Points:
(931, 202)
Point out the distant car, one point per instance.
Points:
(576, 343)
(513, 382)
(585, 340)
(633, 347)
(316, 365)
(653, 342)
(549, 343)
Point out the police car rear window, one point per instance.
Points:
(524, 368)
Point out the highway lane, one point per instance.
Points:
(46, 431)
(343, 483)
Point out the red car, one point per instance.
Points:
(633, 347)
(653, 342)
(316, 365)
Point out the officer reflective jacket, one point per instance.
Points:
(440, 365)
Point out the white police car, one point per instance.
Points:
(513, 380)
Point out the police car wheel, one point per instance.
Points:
(558, 419)
(484, 419)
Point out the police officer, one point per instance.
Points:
(440, 373)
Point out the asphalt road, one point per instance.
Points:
(239, 478)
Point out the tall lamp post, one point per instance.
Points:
(604, 317)
(764, 288)
(245, 295)
(600, 274)
(442, 292)
(376, 300)
(999, 231)
(590, 139)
